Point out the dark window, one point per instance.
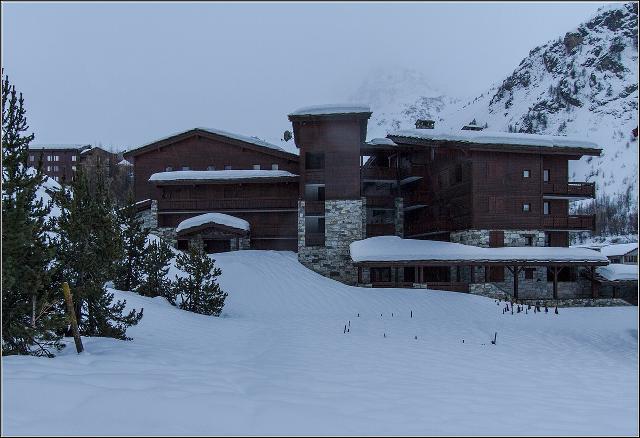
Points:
(546, 175)
(496, 274)
(458, 173)
(528, 273)
(547, 239)
(183, 244)
(321, 193)
(274, 167)
(528, 240)
(526, 173)
(496, 239)
(526, 207)
(380, 275)
(314, 160)
(566, 274)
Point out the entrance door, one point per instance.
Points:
(212, 246)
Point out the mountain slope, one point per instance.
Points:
(583, 84)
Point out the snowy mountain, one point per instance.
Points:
(582, 84)
(399, 97)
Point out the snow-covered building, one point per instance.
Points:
(59, 161)
(624, 253)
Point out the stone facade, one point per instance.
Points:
(150, 216)
(511, 237)
(344, 221)
(399, 217)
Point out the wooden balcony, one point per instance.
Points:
(379, 174)
(585, 222)
(314, 208)
(314, 239)
(580, 190)
(381, 230)
(381, 201)
(227, 204)
(437, 225)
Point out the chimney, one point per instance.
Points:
(425, 124)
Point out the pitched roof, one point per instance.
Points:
(253, 142)
(619, 249)
(58, 146)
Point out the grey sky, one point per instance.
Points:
(127, 73)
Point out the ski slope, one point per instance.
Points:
(278, 362)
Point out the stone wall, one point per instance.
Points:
(344, 221)
(399, 216)
(511, 237)
(149, 217)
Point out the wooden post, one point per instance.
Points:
(554, 270)
(68, 298)
(473, 274)
(594, 289)
(516, 272)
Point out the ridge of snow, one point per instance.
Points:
(178, 175)
(53, 146)
(495, 137)
(213, 218)
(618, 249)
(394, 248)
(617, 271)
(331, 109)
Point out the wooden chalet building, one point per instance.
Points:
(205, 170)
(471, 187)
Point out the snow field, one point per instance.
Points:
(278, 362)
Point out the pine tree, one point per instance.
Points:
(155, 267)
(129, 268)
(199, 291)
(31, 310)
(90, 245)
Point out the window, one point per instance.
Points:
(48, 168)
(227, 167)
(73, 168)
(528, 273)
(526, 173)
(528, 240)
(274, 167)
(546, 175)
(185, 168)
(168, 169)
(256, 167)
(380, 275)
(631, 259)
(55, 178)
(32, 158)
(183, 244)
(546, 207)
(547, 239)
(526, 207)
(211, 167)
(74, 157)
(314, 161)
(458, 173)
(49, 157)
(56, 168)
(56, 158)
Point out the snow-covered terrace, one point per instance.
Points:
(502, 139)
(395, 250)
(221, 176)
(618, 272)
(212, 219)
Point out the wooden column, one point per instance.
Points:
(473, 274)
(594, 289)
(516, 273)
(554, 271)
(359, 274)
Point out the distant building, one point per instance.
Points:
(425, 124)
(623, 253)
(59, 161)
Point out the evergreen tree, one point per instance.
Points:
(90, 245)
(31, 310)
(129, 268)
(155, 267)
(199, 291)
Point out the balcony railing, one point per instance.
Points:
(381, 201)
(437, 225)
(578, 189)
(574, 222)
(381, 230)
(314, 208)
(227, 204)
(379, 173)
(314, 239)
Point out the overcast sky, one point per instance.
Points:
(125, 74)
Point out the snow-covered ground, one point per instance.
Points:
(278, 362)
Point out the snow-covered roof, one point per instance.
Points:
(213, 218)
(501, 138)
(617, 272)
(124, 162)
(52, 146)
(382, 142)
(247, 139)
(331, 109)
(619, 249)
(396, 249)
(186, 175)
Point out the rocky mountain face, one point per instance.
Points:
(583, 84)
